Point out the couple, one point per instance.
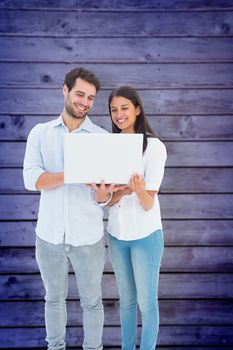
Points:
(70, 228)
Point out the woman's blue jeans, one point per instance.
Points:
(136, 265)
(88, 264)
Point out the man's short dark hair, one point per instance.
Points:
(84, 74)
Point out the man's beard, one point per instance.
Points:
(72, 113)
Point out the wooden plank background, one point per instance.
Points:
(179, 55)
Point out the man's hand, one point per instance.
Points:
(104, 188)
(104, 192)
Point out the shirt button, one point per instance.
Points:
(67, 248)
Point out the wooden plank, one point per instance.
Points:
(176, 180)
(23, 261)
(199, 154)
(190, 128)
(135, 24)
(26, 49)
(175, 259)
(169, 75)
(180, 154)
(20, 233)
(171, 286)
(202, 233)
(195, 286)
(32, 313)
(178, 232)
(26, 208)
(196, 206)
(186, 180)
(119, 5)
(174, 206)
(28, 287)
(27, 314)
(168, 335)
(17, 127)
(169, 102)
(169, 128)
(195, 259)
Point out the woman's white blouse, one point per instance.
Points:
(127, 219)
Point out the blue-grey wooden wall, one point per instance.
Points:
(179, 55)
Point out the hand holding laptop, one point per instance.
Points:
(105, 188)
(103, 192)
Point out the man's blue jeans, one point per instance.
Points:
(88, 264)
(136, 265)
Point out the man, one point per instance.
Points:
(70, 226)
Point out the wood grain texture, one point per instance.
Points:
(179, 335)
(148, 50)
(169, 128)
(178, 55)
(169, 102)
(180, 154)
(179, 312)
(136, 5)
(174, 206)
(169, 75)
(176, 180)
(175, 259)
(133, 24)
(176, 233)
(171, 286)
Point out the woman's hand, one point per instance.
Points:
(145, 197)
(137, 183)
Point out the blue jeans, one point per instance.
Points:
(88, 264)
(136, 265)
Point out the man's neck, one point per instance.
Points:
(72, 123)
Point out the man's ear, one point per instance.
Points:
(65, 90)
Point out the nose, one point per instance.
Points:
(85, 100)
(118, 114)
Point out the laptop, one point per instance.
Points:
(90, 158)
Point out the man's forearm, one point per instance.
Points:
(48, 181)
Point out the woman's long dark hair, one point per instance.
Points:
(141, 125)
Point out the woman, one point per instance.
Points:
(134, 226)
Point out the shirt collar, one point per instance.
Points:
(86, 125)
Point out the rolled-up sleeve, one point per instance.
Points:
(33, 161)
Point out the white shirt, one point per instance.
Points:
(66, 213)
(127, 218)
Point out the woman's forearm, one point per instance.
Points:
(146, 198)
